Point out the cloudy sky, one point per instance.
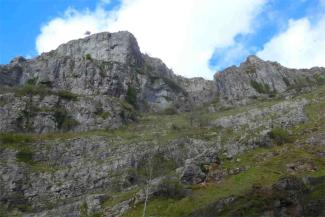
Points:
(193, 37)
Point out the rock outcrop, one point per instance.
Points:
(111, 78)
(256, 77)
(96, 127)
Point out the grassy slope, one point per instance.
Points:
(164, 128)
(262, 170)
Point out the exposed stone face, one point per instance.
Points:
(52, 113)
(119, 47)
(256, 77)
(104, 67)
(101, 82)
(108, 65)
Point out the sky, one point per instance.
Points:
(195, 38)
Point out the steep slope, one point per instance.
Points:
(94, 128)
(91, 83)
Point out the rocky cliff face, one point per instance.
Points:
(95, 127)
(99, 81)
(94, 73)
(256, 77)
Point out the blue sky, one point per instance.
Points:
(272, 21)
(194, 39)
(21, 21)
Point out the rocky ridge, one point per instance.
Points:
(111, 67)
(94, 127)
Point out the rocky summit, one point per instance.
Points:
(96, 128)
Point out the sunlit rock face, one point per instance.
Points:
(96, 128)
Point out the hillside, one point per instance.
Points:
(96, 128)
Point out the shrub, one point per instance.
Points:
(280, 136)
(96, 215)
(125, 105)
(105, 115)
(170, 111)
(198, 120)
(100, 111)
(84, 209)
(260, 87)
(175, 127)
(32, 81)
(131, 96)
(320, 79)
(170, 188)
(272, 94)
(30, 89)
(67, 95)
(25, 156)
(10, 138)
(88, 56)
(59, 116)
(158, 164)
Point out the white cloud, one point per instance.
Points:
(183, 33)
(302, 45)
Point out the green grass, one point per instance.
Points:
(12, 138)
(120, 197)
(131, 96)
(280, 136)
(88, 56)
(31, 90)
(264, 166)
(261, 87)
(264, 173)
(25, 155)
(67, 95)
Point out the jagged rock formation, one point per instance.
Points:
(107, 66)
(256, 77)
(105, 126)
(111, 67)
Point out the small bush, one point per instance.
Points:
(60, 114)
(32, 90)
(105, 115)
(272, 94)
(204, 168)
(198, 120)
(25, 156)
(10, 138)
(32, 81)
(131, 96)
(320, 79)
(95, 215)
(67, 95)
(260, 87)
(84, 209)
(88, 56)
(170, 188)
(175, 127)
(280, 136)
(170, 111)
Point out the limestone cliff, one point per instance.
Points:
(95, 128)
